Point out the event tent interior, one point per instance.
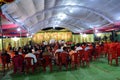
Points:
(80, 21)
(78, 16)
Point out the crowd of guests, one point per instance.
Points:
(29, 50)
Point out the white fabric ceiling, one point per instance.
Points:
(75, 15)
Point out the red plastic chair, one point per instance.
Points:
(85, 58)
(80, 52)
(112, 55)
(118, 51)
(105, 49)
(23, 55)
(18, 63)
(38, 59)
(75, 60)
(97, 52)
(29, 64)
(63, 60)
(47, 61)
(57, 58)
(90, 53)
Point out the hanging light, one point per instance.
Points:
(84, 35)
(27, 34)
(61, 16)
(96, 31)
(18, 29)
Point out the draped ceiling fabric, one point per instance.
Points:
(75, 15)
(9, 29)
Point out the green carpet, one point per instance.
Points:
(98, 70)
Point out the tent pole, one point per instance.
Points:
(1, 32)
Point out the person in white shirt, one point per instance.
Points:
(78, 47)
(87, 48)
(59, 49)
(30, 54)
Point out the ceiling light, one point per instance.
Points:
(3, 36)
(27, 34)
(96, 31)
(91, 26)
(81, 33)
(18, 21)
(18, 29)
(84, 35)
(61, 16)
(71, 10)
(118, 18)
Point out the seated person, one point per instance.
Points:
(72, 51)
(78, 47)
(30, 54)
(59, 49)
(65, 50)
(87, 48)
(7, 56)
